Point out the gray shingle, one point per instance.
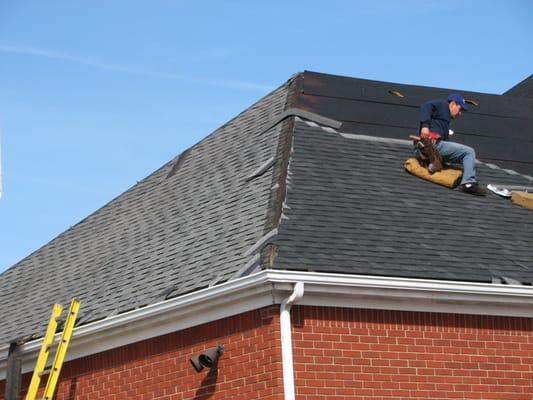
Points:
(353, 209)
(187, 223)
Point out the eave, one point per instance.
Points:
(270, 287)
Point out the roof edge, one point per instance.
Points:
(171, 166)
(270, 287)
(523, 88)
(279, 176)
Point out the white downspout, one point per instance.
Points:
(286, 340)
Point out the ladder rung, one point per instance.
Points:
(61, 349)
(48, 343)
(43, 354)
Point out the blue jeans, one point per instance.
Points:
(460, 155)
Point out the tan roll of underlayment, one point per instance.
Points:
(449, 177)
(523, 199)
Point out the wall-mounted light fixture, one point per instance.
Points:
(207, 359)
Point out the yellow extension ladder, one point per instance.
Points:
(55, 369)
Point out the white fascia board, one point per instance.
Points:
(406, 294)
(210, 304)
(271, 287)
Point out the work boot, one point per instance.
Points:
(473, 188)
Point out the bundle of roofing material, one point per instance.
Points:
(449, 177)
(523, 199)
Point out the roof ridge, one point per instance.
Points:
(524, 88)
(281, 168)
(307, 115)
(506, 170)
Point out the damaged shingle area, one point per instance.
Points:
(353, 209)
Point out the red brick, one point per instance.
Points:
(339, 354)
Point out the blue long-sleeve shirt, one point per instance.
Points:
(435, 115)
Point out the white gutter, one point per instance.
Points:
(193, 309)
(407, 294)
(286, 340)
(271, 287)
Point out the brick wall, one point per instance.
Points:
(159, 368)
(338, 353)
(370, 355)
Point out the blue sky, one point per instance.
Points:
(96, 95)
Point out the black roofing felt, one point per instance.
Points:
(500, 128)
(269, 190)
(522, 89)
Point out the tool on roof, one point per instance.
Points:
(519, 195)
(55, 369)
(426, 153)
(500, 191)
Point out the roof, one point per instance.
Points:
(522, 89)
(500, 127)
(351, 208)
(272, 190)
(184, 227)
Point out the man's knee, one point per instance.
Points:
(470, 151)
(464, 149)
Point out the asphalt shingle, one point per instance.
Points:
(177, 230)
(353, 209)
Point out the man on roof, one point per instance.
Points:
(435, 119)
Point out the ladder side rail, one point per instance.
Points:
(45, 351)
(61, 350)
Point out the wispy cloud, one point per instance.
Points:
(38, 52)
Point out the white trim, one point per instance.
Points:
(272, 287)
(406, 294)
